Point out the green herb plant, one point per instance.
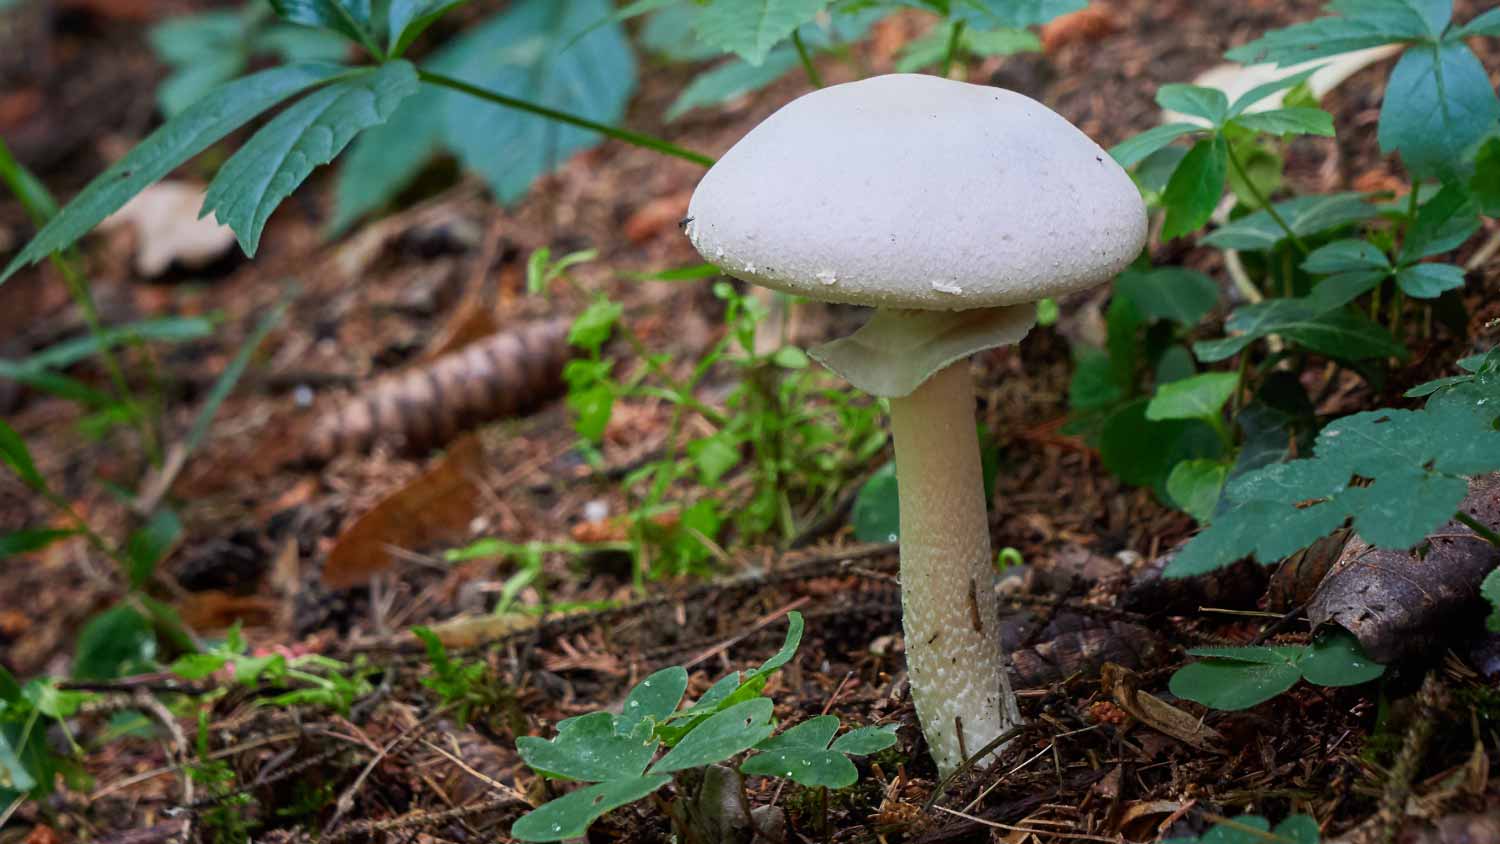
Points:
(1239, 678)
(1254, 829)
(618, 753)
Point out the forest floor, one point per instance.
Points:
(265, 501)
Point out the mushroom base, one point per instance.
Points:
(953, 651)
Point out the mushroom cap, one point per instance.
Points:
(913, 191)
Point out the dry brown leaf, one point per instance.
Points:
(1083, 26)
(215, 610)
(167, 228)
(438, 504)
(1122, 685)
(657, 216)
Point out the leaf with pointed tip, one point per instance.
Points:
(751, 28)
(1195, 187)
(1198, 397)
(1260, 92)
(200, 125)
(408, 19)
(569, 816)
(1438, 103)
(1211, 104)
(349, 18)
(1135, 149)
(285, 151)
(720, 736)
(1011, 14)
(1429, 281)
(588, 748)
(15, 455)
(1306, 215)
(1342, 256)
(1288, 121)
(1360, 24)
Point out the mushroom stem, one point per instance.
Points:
(953, 652)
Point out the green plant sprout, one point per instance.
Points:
(1239, 678)
(1254, 829)
(616, 752)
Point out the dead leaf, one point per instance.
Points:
(168, 229)
(215, 610)
(437, 504)
(1121, 684)
(656, 216)
(1080, 27)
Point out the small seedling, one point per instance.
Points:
(616, 752)
(1254, 829)
(1239, 678)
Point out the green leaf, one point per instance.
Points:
(1345, 256)
(1438, 103)
(1335, 659)
(1443, 223)
(801, 754)
(1233, 685)
(13, 773)
(731, 79)
(1133, 150)
(1306, 215)
(1486, 23)
(112, 644)
(1485, 184)
(592, 328)
(1194, 486)
(199, 666)
(26, 541)
(654, 698)
(877, 507)
(1429, 281)
(1490, 589)
(1142, 452)
(1266, 89)
(715, 455)
(1299, 829)
(519, 53)
(1199, 397)
(588, 748)
(1394, 513)
(788, 649)
(569, 816)
(1178, 294)
(1339, 290)
(10, 690)
(1208, 103)
(179, 139)
(161, 329)
(750, 28)
(864, 741)
(720, 736)
(1364, 23)
(1195, 187)
(312, 132)
(1343, 334)
(349, 18)
(150, 543)
(1288, 121)
(15, 455)
(1013, 14)
(406, 20)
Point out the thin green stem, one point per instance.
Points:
(955, 39)
(1255, 191)
(634, 138)
(1483, 530)
(807, 63)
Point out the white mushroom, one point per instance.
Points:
(951, 208)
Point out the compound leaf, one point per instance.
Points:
(1438, 103)
(1132, 150)
(1361, 24)
(751, 28)
(1335, 659)
(1305, 215)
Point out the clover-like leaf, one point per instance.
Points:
(654, 698)
(569, 816)
(720, 736)
(1239, 683)
(1335, 659)
(589, 748)
(803, 755)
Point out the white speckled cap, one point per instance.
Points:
(913, 191)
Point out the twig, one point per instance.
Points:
(346, 799)
(1072, 836)
(149, 702)
(970, 762)
(366, 829)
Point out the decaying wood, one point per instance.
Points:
(505, 374)
(1399, 602)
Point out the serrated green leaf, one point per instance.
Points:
(1288, 121)
(1233, 685)
(1199, 397)
(751, 28)
(589, 749)
(1339, 290)
(654, 698)
(1362, 24)
(113, 643)
(276, 160)
(732, 79)
(518, 53)
(1438, 103)
(1266, 89)
(1343, 334)
(1195, 485)
(1429, 281)
(1133, 150)
(569, 816)
(349, 18)
(1195, 187)
(1345, 256)
(204, 123)
(150, 543)
(26, 541)
(1142, 452)
(1208, 103)
(720, 736)
(15, 455)
(1014, 14)
(1335, 659)
(1397, 512)
(876, 516)
(1306, 215)
(1443, 223)
(406, 20)
(1178, 294)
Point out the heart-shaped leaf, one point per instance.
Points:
(720, 736)
(588, 748)
(569, 816)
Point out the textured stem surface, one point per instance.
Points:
(953, 652)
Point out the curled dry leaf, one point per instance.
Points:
(439, 504)
(164, 218)
(1081, 27)
(1122, 684)
(1399, 602)
(508, 373)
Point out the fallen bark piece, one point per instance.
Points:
(438, 504)
(505, 374)
(1400, 602)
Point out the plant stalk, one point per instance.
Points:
(634, 138)
(1255, 191)
(807, 63)
(955, 39)
(1481, 529)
